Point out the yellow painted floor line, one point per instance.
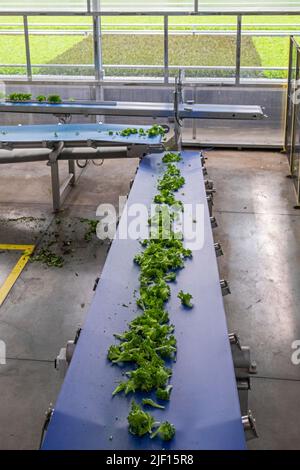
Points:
(17, 269)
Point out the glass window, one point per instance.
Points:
(132, 46)
(61, 46)
(265, 45)
(12, 46)
(43, 5)
(205, 6)
(204, 45)
(142, 5)
(248, 5)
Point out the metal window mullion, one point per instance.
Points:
(27, 48)
(97, 47)
(294, 118)
(166, 49)
(196, 6)
(297, 125)
(289, 83)
(97, 40)
(298, 185)
(238, 50)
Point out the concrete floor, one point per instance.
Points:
(46, 305)
(259, 231)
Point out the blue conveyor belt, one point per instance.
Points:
(73, 133)
(204, 404)
(141, 109)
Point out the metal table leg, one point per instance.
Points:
(72, 172)
(55, 186)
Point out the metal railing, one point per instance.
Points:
(149, 32)
(166, 29)
(208, 7)
(252, 26)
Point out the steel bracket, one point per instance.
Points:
(64, 358)
(214, 223)
(210, 203)
(6, 146)
(249, 424)
(225, 287)
(243, 368)
(48, 416)
(63, 118)
(209, 185)
(203, 159)
(218, 248)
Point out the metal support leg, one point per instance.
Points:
(181, 77)
(194, 120)
(178, 97)
(72, 172)
(55, 186)
(177, 123)
(178, 136)
(60, 191)
(53, 163)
